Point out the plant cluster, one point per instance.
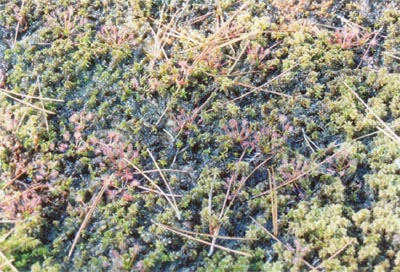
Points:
(140, 136)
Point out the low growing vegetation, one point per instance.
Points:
(226, 136)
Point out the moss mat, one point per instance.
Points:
(199, 135)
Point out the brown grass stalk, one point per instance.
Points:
(155, 191)
(8, 262)
(299, 176)
(219, 237)
(225, 208)
(31, 96)
(89, 214)
(238, 57)
(7, 221)
(160, 191)
(18, 23)
(6, 235)
(321, 265)
(389, 131)
(179, 232)
(274, 200)
(210, 42)
(164, 170)
(20, 174)
(39, 86)
(391, 55)
(261, 87)
(286, 246)
(27, 104)
(166, 184)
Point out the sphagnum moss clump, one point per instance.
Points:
(138, 136)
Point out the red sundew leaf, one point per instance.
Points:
(127, 197)
(233, 123)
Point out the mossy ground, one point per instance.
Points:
(144, 131)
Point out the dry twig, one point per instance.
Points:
(387, 129)
(166, 184)
(321, 265)
(159, 190)
(179, 232)
(225, 208)
(274, 200)
(89, 214)
(286, 246)
(8, 262)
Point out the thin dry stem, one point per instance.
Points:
(227, 23)
(29, 100)
(225, 208)
(164, 170)
(210, 203)
(210, 42)
(33, 188)
(369, 135)
(274, 201)
(161, 39)
(136, 250)
(309, 142)
(199, 240)
(368, 48)
(199, 19)
(41, 102)
(6, 235)
(211, 236)
(220, 19)
(238, 57)
(15, 178)
(261, 87)
(245, 180)
(286, 246)
(95, 203)
(299, 176)
(11, 221)
(8, 262)
(160, 191)
(321, 265)
(166, 184)
(253, 87)
(162, 115)
(176, 34)
(217, 229)
(31, 96)
(26, 104)
(18, 23)
(391, 55)
(235, 40)
(155, 191)
(352, 24)
(388, 129)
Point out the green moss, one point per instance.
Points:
(176, 80)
